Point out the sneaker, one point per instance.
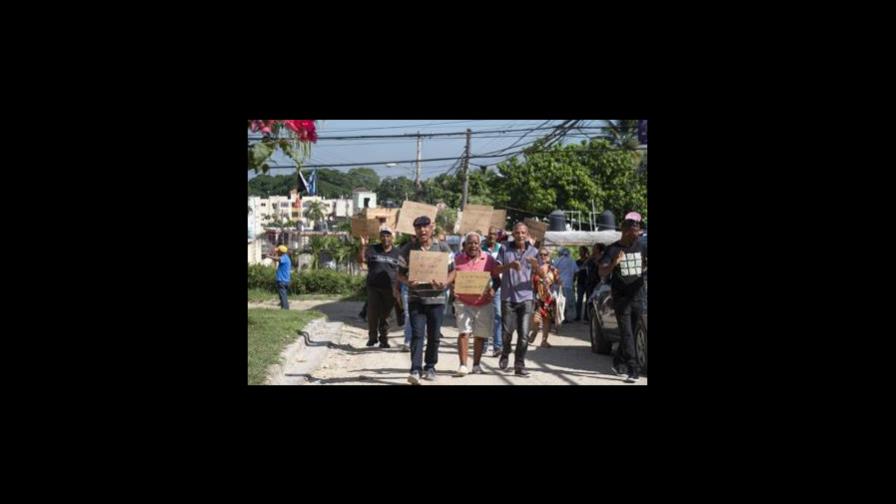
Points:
(477, 369)
(385, 344)
(430, 374)
(414, 378)
(520, 372)
(497, 353)
(371, 342)
(405, 347)
(461, 371)
(502, 362)
(632, 377)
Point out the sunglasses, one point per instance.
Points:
(545, 255)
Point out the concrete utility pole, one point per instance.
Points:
(466, 168)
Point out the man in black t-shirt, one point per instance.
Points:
(625, 261)
(382, 266)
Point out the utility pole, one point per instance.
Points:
(466, 167)
(419, 144)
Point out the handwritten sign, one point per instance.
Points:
(410, 210)
(471, 282)
(476, 218)
(362, 226)
(387, 216)
(499, 218)
(536, 229)
(428, 266)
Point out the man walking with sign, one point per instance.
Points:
(426, 301)
(475, 312)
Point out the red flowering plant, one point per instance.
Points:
(294, 137)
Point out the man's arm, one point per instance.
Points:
(607, 266)
(362, 253)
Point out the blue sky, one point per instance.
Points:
(366, 152)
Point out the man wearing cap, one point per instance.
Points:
(382, 266)
(426, 302)
(283, 270)
(624, 261)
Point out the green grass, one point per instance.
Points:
(270, 331)
(262, 296)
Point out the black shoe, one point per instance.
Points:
(371, 342)
(520, 372)
(502, 361)
(385, 344)
(618, 369)
(631, 378)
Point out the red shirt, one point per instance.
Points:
(485, 262)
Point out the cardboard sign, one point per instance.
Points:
(471, 282)
(476, 218)
(428, 266)
(536, 229)
(362, 226)
(499, 218)
(410, 210)
(387, 216)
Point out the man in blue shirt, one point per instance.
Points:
(283, 270)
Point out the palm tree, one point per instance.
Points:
(314, 210)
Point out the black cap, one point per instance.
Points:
(421, 221)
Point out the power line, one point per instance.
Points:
(475, 156)
(444, 134)
(406, 126)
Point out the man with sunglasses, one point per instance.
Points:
(625, 261)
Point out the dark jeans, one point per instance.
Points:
(581, 296)
(628, 315)
(282, 288)
(425, 318)
(379, 305)
(516, 316)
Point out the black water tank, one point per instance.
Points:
(557, 221)
(606, 220)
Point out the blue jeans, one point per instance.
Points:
(497, 342)
(407, 318)
(425, 319)
(568, 294)
(282, 288)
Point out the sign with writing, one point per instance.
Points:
(476, 218)
(410, 210)
(428, 266)
(471, 282)
(536, 229)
